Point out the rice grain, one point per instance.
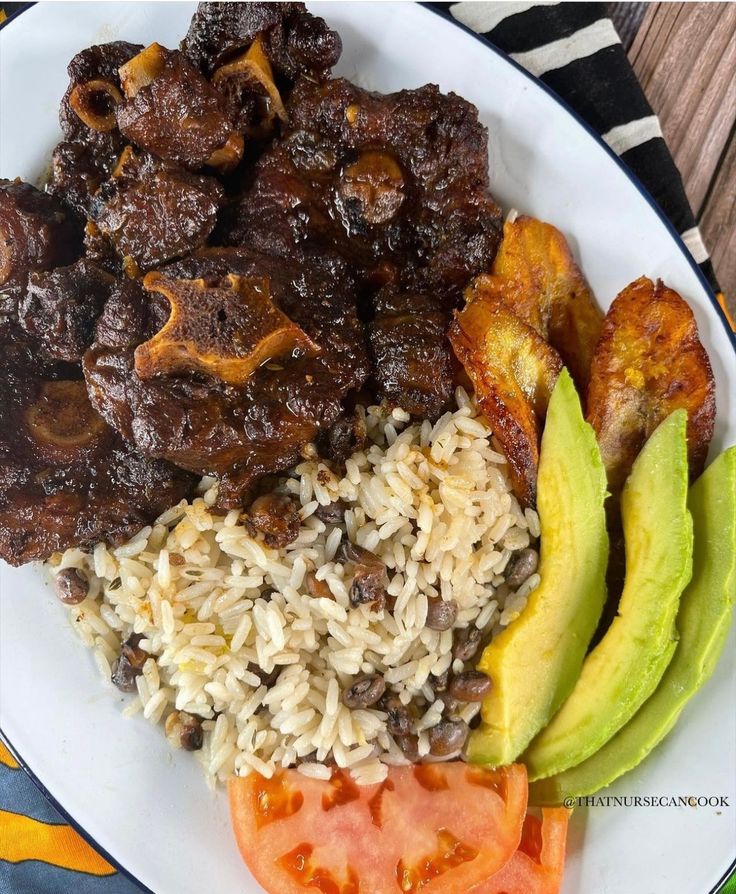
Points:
(234, 633)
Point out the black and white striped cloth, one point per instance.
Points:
(575, 50)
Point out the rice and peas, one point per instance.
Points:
(251, 651)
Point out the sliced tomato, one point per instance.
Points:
(438, 828)
(537, 865)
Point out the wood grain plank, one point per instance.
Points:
(627, 18)
(718, 225)
(684, 55)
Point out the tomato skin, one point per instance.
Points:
(538, 864)
(433, 829)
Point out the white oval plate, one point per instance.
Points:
(147, 806)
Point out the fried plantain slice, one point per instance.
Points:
(513, 371)
(536, 275)
(649, 362)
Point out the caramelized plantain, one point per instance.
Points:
(226, 329)
(513, 371)
(649, 362)
(536, 275)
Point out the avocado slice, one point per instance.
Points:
(623, 670)
(703, 621)
(535, 662)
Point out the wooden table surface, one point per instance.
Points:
(684, 55)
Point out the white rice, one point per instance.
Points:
(433, 501)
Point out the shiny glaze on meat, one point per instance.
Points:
(66, 478)
(179, 116)
(412, 364)
(61, 306)
(398, 184)
(295, 41)
(86, 156)
(207, 426)
(36, 233)
(152, 211)
(233, 168)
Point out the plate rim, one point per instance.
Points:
(444, 14)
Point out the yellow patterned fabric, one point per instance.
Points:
(23, 838)
(39, 852)
(5, 756)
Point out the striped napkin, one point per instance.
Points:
(574, 49)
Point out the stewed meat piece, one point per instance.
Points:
(254, 52)
(87, 111)
(294, 41)
(87, 154)
(194, 397)
(66, 478)
(36, 233)
(397, 183)
(276, 516)
(78, 168)
(171, 110)
(61, 306)
(152, 211)
(411, 355)
(248, 91)
(343, 438)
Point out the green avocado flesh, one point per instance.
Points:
(703, 621)
(535, 662)
(623, 670)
